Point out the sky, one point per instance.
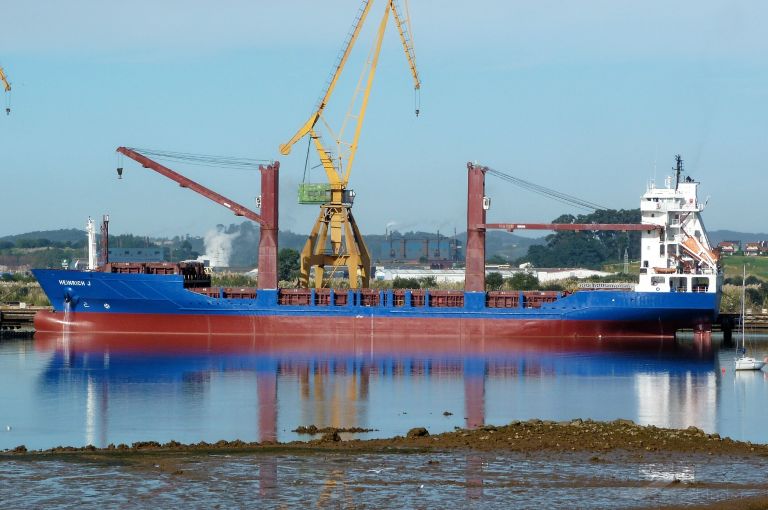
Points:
(593, 98)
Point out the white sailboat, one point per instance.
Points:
(744, 362)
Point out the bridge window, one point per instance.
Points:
(677, 284)
(700, 284)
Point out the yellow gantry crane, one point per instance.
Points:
(335, 221)
(7, 87)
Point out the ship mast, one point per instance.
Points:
(678, 169)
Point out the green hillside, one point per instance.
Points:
(756, 266)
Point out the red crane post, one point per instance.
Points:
(268, 219)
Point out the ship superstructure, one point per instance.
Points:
(678, 257)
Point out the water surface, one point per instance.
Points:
(60, 390)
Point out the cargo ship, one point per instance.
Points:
(678, 288)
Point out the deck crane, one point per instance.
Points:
(335, 199)
(7, 87)
(268, 203)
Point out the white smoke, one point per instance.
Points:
(218, 246)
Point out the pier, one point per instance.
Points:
(17, 320)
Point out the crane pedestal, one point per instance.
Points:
(335, 228)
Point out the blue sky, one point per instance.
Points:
(585, 97)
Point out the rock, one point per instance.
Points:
(330, 437)
(623, 421)
(145, 444)
(417, 432)
(312, 429)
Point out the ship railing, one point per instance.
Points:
(226, 292)
(538, 298)
(619, 286)
(446, 298)
(211, 292)
(295, 297)
(502, 299)
(370, 297)
(408, 298)
(330, 297)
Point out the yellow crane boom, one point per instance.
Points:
(4, 79)
(357, 24)
(404, 29)
(7, 87)
(335, 222)
(333, 168)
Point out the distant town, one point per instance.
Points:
(755, 248)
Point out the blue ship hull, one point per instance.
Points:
(113, 302)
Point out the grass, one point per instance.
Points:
(732, 266)
(756, 266)
(23, 292)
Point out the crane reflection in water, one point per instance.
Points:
(141, 387)
(104, 389)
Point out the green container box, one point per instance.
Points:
(314, 193)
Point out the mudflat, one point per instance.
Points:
(590, 464)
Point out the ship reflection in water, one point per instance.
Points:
(121, 389)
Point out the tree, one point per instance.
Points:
(428, 282)
(405, 283)
(184, 251)
(588, 248)
(524, 281)
(494, 281)
(287, 264)
(497, 259)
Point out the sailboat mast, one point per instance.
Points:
(743, 305)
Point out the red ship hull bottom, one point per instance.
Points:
(411, 327)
